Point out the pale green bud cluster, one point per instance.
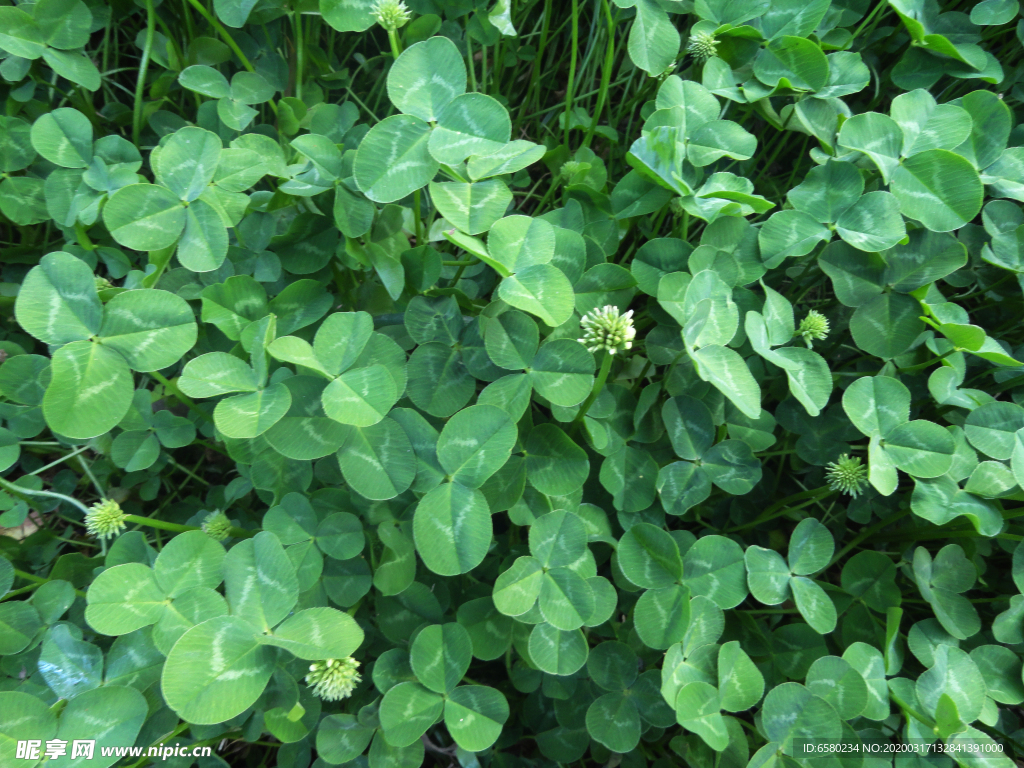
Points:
(847, 475)
(606, 329)
(105, 519)
(217, 526)
(702, 46)
(571, 168)
(814, 326)
(102, 284)
(391, 14)
(334, 679)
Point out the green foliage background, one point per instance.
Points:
(300, 294)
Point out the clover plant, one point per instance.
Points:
(512, 383)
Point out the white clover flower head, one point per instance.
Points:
(814, 326)
(334, 679)
(606, 329)
(391, 14)
(217, 526)
(105, 519)
(702, 46)
(847, 475)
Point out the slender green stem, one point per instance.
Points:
(533, 92)
(179, 729)
(163, 525)
(606, 74)
(868, 18)
(300, 55)
(188, 472)
(173, 389)
(61, 460)
(572, 68)
(602, 377)
(92, 478)
(461, 269)
(140, 83)
(419, 217)
(396, 44)
(866, 533)
(39, 580)
(18, 490)
(926, 363)
(783, 506)
(83, 237)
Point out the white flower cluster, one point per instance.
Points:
(391, 14)
(605, 328)
(334, 679)
(702, 46)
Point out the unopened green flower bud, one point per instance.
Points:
(391, 14)
(217, 526)
(702, 46)
(334, 679)
(102, 284)
(814, 326)
(847, 475)
(571, 167)
(105, 519)
(606, 329)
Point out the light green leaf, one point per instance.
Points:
(90, 392)
(57, 302)
(542, 290)
(938, 188)
(440, 655)
(473, 208)
(474, 715)
(452, 529)
(392, 160)
(151, 329)
(216, 670)
(469, 124)
(145, 217)
(426, 77)
(475, 443)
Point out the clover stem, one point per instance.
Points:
(299, 54)
(606, 74)
(173, 389)
(17, 489)
(469, 56)
(88, 473)
(396, 47)
(926, 363)
(783, 506)
(83, 237)
(38, 581)
(418, 216)
(59, 461)
(866, 533)
(572, 68)
(163, 525)
(461, 269)
(602, 377)
(533, 90)
(140, 83)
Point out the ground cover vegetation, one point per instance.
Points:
(512, 383)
